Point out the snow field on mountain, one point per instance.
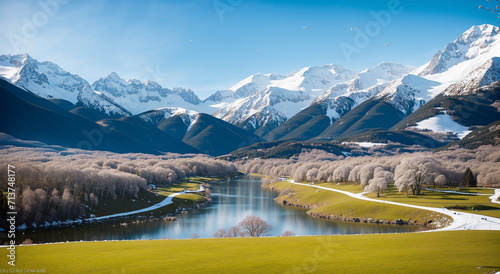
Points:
(443, 123)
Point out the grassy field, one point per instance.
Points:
(479, 204)
(436, 252)
(327, 203)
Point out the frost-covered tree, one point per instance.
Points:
(440, 180)
(379, 182)
(413, 172)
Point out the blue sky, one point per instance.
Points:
(213, 44)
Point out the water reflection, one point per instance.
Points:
(232, 201)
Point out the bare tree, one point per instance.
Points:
(496, 9)
(220, 233)
(254, 226)
(194, 236)
(288, 233)
(234, 232)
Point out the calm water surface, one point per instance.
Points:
(232, 201)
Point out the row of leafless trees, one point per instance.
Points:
(407, 171)
(56, 185)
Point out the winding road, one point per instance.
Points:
(461, 220)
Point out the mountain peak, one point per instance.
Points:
(477, 31)
(113, 75)
(479, 41)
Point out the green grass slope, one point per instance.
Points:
(438, 252)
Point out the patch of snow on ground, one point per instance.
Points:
(443, 123)
(365, 144)
(494, 198)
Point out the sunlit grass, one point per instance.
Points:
(479, 204)
(437, 252)
(149, 198)
(329, 203)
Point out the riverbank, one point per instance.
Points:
(461, 220)
(165, 202)
(160, 203)
(439, 252)
(325, 204)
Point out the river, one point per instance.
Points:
(232, 201)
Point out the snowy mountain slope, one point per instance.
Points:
(34, 118)
(461, 68)
(371, 77)
(443, 123)
(364, 86)
(471, 49)
(155, 117)
(202, 131)
(484, 75)
(408, 93)
(471, 60)
(467, 71)
(100, 102)
(139, 97)
(337, 101)
(277, 98)
(48, 80)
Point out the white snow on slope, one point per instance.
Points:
(276, 98)
(48, 80)
(140, 97)
(443, 123)
(155, 117)
(365, 144)
(472, 51)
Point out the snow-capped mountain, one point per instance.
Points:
(408, 93)
(100, 102)
(468, 62)
(342, 97)
(202, 131)
(276, 98)
(139, 97)
(48, 80)
(337, 101)
(155, 117)
(245, 88)
(471, 49)
(484, 75)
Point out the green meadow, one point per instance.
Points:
(427, 252)
(478, 204)
(328, 203)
